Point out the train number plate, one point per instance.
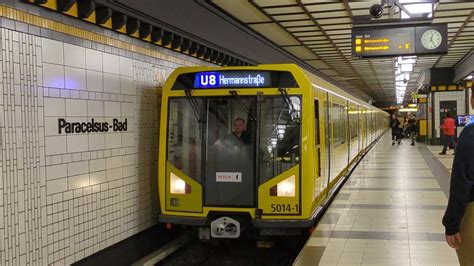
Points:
(285, 208)
(230, 177)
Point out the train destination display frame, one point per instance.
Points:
(391, 41)
(241, 79)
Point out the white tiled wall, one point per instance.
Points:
(65, 196)
(458, 96)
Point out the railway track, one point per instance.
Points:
(242, 251)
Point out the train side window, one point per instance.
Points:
(316, 123)
(317, 135)
(184, 137)
(279, 136)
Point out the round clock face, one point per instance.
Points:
(431, 39)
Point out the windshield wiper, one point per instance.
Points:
(193, 102)
(287, 100)
(246, 109)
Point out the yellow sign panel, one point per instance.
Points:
(423, 127)
(452, 87)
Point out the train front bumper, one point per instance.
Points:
(257, 223)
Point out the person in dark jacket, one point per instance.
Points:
(459, 217)
(412, 128)
(395, 125)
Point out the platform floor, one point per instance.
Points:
(388, 212)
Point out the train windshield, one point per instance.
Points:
(229, 144)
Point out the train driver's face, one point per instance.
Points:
(239, 127)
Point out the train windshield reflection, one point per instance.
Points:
(228, 134)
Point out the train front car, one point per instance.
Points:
(234, 150)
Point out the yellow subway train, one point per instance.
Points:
(256, 148)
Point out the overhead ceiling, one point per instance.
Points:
(319, 33)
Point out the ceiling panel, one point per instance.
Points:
(318, 31)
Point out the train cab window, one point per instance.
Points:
(230, 151)
(184, 137)
(230, 136)
(279, 136)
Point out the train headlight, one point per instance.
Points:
(178, 186)
(285, 188)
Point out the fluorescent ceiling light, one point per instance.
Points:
(468, 77)
(416, 8)
(407, 67)
(421, 8)
(404, 86)
(404, 15)
(406, 60)
(409, 1)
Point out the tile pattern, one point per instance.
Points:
(22, 157)
(388, 213)
(64, 197)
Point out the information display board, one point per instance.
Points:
(399, 41)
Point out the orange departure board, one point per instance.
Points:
(415, 40)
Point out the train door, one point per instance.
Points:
(319, 177)
(230, 152)
(327, 141)
(367, 128)
(363, 122)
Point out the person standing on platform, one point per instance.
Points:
(412, 128)
(395, 126)
(448, 128)
(459, 217)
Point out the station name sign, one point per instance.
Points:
(229, 79)
(381, 41)
(92, 126)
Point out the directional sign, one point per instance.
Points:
(399, 41)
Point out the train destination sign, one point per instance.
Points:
(231, 79)
(408, 40)
(216, 79)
